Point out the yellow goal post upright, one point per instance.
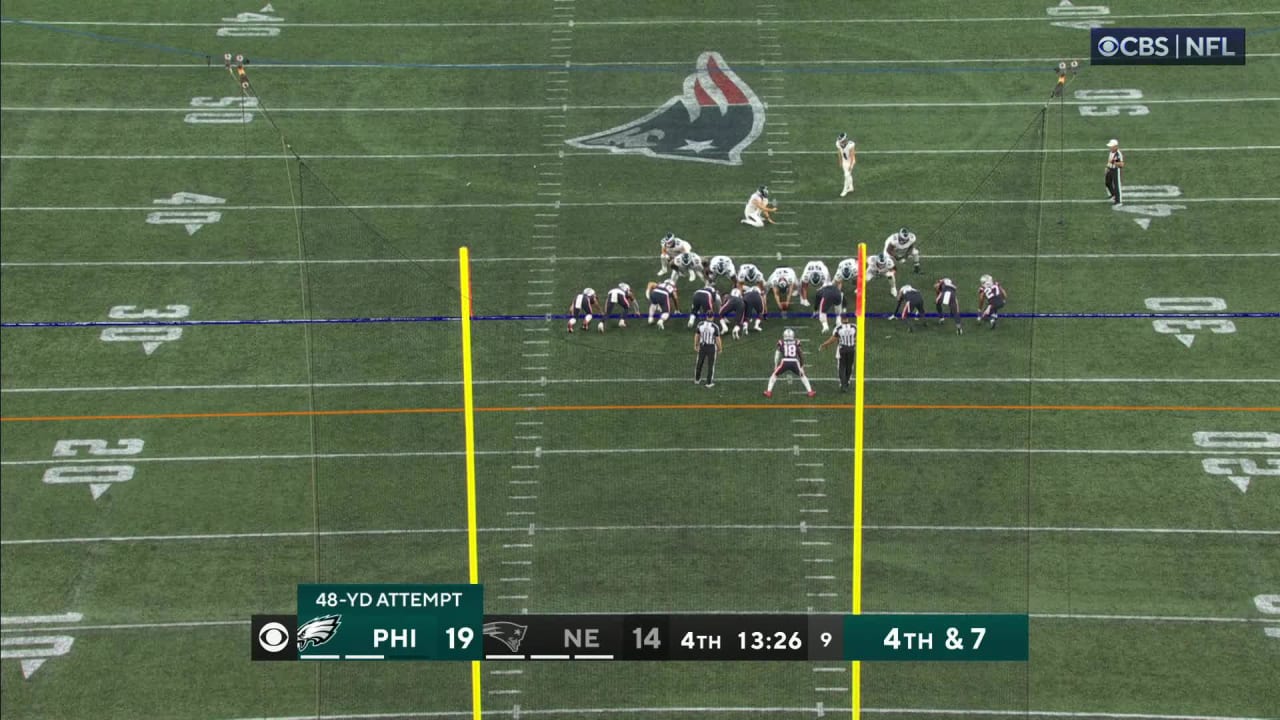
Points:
(468, 414)
(859, 407)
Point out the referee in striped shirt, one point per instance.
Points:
(846, 333)
(706, 340)
(1115, 162)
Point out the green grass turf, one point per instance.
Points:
(1045, 511)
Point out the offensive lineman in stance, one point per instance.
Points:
(902, 245)
(910, 306)
(584, 304)
(788, 358)
(662, 296)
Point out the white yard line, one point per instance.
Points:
(558, 381)
(605, 63)
(64, 109)
(285, 457)
(679, 21)
(608, 204)
(596, 259)
(787, 528)
(589, 154)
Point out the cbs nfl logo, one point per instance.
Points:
(1166, 46)
(274, 637)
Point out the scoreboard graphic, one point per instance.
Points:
(447, 622)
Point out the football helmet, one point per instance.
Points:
(845, 272)
(589, 292)
(903, 233)
(905, 289)
(842, 139)
(788, 334)
(815, 278)
(624, 288)
(763, 190)
(669, 240)
(985, 280)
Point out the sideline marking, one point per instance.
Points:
(630, 408)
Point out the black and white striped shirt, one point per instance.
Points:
(848, 334)
(1115, 159)
(707, 332)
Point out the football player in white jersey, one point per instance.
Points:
(848, 158)
(815, 274)
(758, 210)
(882, 266)
(749, 275)
(671, 247)
(721, 266)
(783, 281)
(902, 245)
(689, 262)
(847, 270)
(586, 305)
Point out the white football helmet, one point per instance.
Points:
(905, 289)
(986, 280)
(788, 334)
(624, 288)
(589, 292)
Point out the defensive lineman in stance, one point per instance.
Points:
(846, 333)
(758, 210)
(706, 340)
(664, 298)
(848, 159)
(902, 245)
(788, 358)
(620, 299)
(991, 297)
(947, 295)
(704, 303)
(584, 304)
(910, 306)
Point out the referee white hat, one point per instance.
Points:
(1113, 143)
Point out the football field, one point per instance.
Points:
(231, 358)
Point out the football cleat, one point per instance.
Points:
(622, 323)
(804, 302)
(811, 393)
(768, 393)
(736, 332)
(661, 326)
(600, 327)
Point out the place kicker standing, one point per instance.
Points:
(1115, 163)
(848, 158)
(706, 340)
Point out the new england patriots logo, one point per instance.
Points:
(507, 633)
(713, 120)
(318, 631)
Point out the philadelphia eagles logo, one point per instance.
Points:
(507, 633)
(318, 631)
(713, 120)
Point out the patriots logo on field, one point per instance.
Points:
(713, 120)
(507, 633)
(318, 631)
